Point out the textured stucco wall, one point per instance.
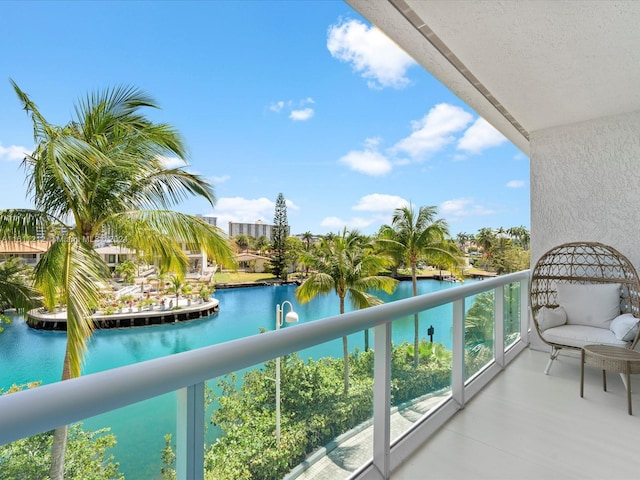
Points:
(585, 185)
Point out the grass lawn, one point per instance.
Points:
(241, 277)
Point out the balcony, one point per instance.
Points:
(506, 420)
(526, 425)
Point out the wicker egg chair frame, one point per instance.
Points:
(581, 263)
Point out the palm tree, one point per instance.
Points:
(127, 270)
(103, 171)
(307, 238)
(520, 235)
(262, 244)
(486, 239)
(16, 290)
(177, 286)
(242, 241)
(415, 237)
(479, 322)
(347, 265)
(462, 238)
(161, 278)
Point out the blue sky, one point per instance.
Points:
(302, 98)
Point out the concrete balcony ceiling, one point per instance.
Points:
(523, 65)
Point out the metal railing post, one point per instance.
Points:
(190, 433)
(524, 310)
(457, 362)
(498, 329)
(382, 399)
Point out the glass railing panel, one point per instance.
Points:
(418, 385)
(88, 455)
(479, 326)
(321, 428)
(338, 425)
(512, 313)
(129, 440)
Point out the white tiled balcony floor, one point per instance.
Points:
(526, 425)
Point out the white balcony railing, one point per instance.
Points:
(29, 412)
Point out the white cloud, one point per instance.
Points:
(480, 136)
(14, 152)
(171, 162)
(298, 110)
(434, 131)
(290, 205)
(276, 106)
(378, 202)
(220, 179)
(462, 207)
(246, 210)
(516, 184)
(243, 210)
(301, 115)
(379, 206)
(368, 161)
(371, 54)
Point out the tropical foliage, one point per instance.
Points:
(413, 237)
(279, 239)
(479, 322)
(104, 172)
(347, 265)
(127, 270)
(503, 250)
(314, 409)
(479, 325)
(86, 456)
(16, 290)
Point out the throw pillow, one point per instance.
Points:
(593, 305)
(551, 317)
(625, 327)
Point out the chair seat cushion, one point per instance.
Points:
(594, 305)
(580, 335)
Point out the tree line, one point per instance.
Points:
(104, 171)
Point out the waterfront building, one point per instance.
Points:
(29, 251)
(255, 230)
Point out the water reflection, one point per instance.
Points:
(28, 355)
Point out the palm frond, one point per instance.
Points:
(25, 224)
(164, 188)
(163, 232)
(16, 290)
(69, 271)
(317, 284)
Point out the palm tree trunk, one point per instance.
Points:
(58, 450)
(366, 340)
(416, 340)
(59, 446)
(345, 354)
(416, 318)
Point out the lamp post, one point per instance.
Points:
(291, 317)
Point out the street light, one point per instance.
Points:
(291, 317)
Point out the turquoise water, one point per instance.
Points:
(28, 355)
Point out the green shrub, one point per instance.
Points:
(314, 410)
(86, 457)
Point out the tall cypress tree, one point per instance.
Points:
(279, 239)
